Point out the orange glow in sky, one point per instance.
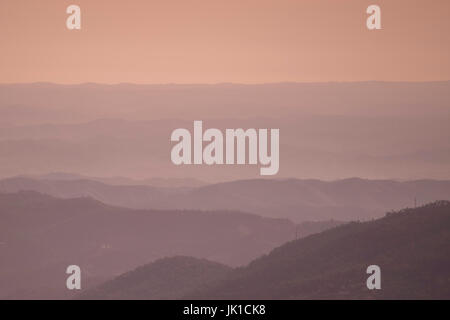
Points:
(210, 41)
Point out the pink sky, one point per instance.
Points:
(210, 41)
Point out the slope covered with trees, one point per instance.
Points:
(166, 278)
(411, 246)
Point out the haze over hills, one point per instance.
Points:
(297, 200)
(377, 130)
(411, 247)
(325, 147)
(122, 181)
(23, 103)
(41, 235)
(110, 216)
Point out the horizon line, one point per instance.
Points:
(87, 177)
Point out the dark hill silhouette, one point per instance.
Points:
(166, 278)
(411, 246)
(297, 200)
(41, 235)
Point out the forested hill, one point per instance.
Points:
(412, 248)
(166, 278)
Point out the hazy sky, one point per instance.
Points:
(210, 41)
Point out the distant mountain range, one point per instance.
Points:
(297, 200)
(410, 246)
(108, 226)
(376, 130)
(41, 235)
(123, 181)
